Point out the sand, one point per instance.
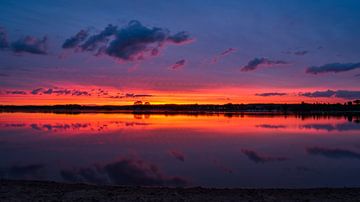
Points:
(11, 190)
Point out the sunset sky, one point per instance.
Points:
(238, 51)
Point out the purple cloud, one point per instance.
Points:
(177, 155)
(332, 67)
(298, 53)
(258, 62)
(301, 52)
(345, 94)
(223, 54)
(30, 44)
(59, 91)
(270, 94)
(257, 158)
(132, 42)
(99, 40)
(16, 92)
(179, 64)
(333, 152)
(74, 41)
(126, 171)
(129, 95)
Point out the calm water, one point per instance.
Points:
(181, 150)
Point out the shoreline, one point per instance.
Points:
(21, 190)
(194, 109)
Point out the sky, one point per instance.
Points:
(206, 52)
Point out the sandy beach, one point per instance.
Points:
(11, 190)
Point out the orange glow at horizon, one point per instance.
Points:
(202, 96)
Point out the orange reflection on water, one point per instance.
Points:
(110, 122)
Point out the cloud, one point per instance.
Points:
(223, 54)
(344, 94)
(270, 94)
(126, 171)
(301, 52)
(298, 53)
(129, 95)
(59, 91)
(332, 67)
(257, 158)
(74, 41)
(16, 92)
(4, 43)
(132, 42)
(177, 155)
(138, 172)
(96, 40)
(333, 152)
(259, 62)
(180, 38)
(179, 64)
(30, 44)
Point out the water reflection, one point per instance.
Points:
(219, 150)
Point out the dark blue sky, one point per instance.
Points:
(238, 51)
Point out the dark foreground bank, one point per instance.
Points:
(50, 191)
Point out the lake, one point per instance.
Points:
(215, 150)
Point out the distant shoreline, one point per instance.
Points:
(20, 190)
(281, 109)
(303, 108)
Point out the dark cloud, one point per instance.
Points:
(223, 54)
(333, 152)
(180, 38)
(258, 62)
(270, 94)
(138, 172)
(30, 44)
(4, 43)
(59, 91)
(16, 92)
(126, 171)
(298, 53)
(95, 41)
(179, 64)
(333, 67)
(301, 52)
(74, 41)
(257, 158)
(228, 51)
(270, 126)
(178, 155)
(4, 75)
(132, 42)
(345, 94)
(130, 95)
